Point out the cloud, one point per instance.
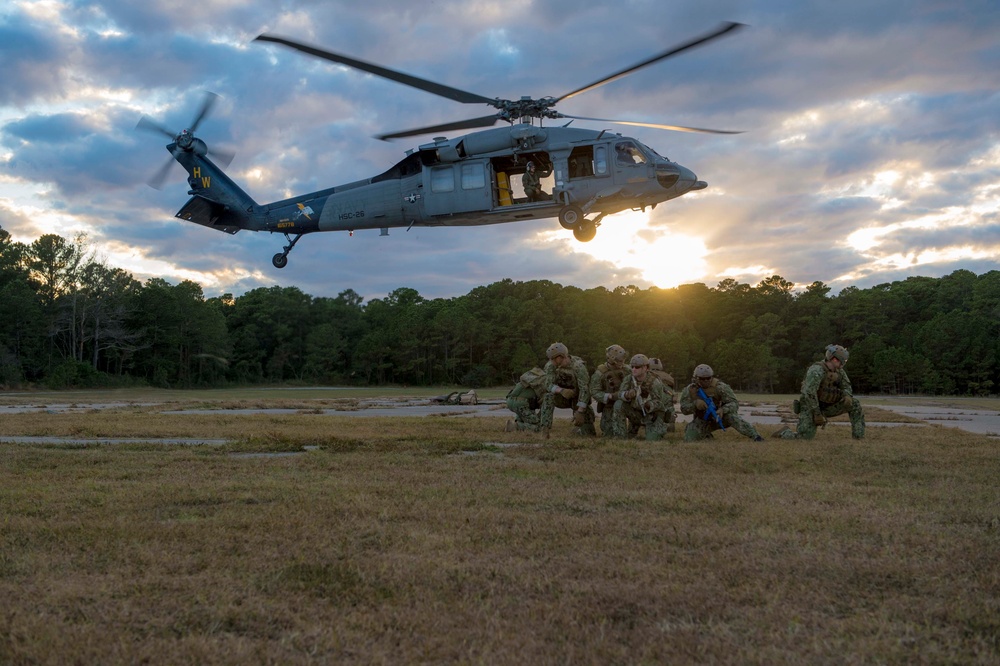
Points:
(879, 119)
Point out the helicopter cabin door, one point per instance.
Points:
(457, 188)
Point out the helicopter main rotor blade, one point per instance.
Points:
(147, 124)
(635, 123)
(485, 121)
(406, 79)
(698, 41)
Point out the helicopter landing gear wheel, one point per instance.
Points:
(585, 230)
(280, 260)
(570, 216)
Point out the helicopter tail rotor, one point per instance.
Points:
(185, 140)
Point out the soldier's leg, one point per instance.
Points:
(619, 425)
(607, 416)
(857, 420)
(697, 429)
(741, 425)
(548, 407)
(656, 428)
(589, 420)
(806, 428)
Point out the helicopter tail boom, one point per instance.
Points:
(216, 201)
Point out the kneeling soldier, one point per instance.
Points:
(724, 404)
(826, 392)
(639, 401)
(567, 385)
(605, 384)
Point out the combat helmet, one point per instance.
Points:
(703, 372)
(656, 364)
(616, 354)
(556, 349)
(639, 360)
(838, 352)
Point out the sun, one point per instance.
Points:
(664, 258)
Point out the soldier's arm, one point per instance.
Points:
(657, 397)
(550, 376)
(810, 385)
(687, 404)
(596, 391)
(730, 405)
(582, 386)
(845, 384)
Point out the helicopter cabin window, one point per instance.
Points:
(473, 176)
(628, 154)
(581, 162)
(601, 160)
(443, 179)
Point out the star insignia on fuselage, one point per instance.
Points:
(411, 198)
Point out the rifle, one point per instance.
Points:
(710, 408)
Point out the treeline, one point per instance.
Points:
(68, 319)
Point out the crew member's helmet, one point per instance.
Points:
(639, 360)
(703, 372)
(656, 364)
(616, 354)
(556, 349)
(836, 351)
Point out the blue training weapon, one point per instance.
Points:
(710, 408)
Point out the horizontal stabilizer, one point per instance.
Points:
(210, 214)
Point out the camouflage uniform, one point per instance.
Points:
(669, 414)
(726, 406)
(826, 392)
(531, 181)
(576, 378)
(645, 410)
(605, 383)
(525, 399)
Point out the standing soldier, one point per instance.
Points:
(525, 400)
(826, 392)
(705, 395)
(640, 399)
(669, 414)
(567, 385)
(604, 385)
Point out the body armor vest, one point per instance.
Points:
(566, 377)
(829, 390)
(710, 391)
(611, 378)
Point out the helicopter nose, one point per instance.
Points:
(687, 181)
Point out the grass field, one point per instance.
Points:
(447, 540)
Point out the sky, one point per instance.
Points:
(870, 149)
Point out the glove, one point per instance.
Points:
(819, 419)
(629, 395)
(648, 406)
(567, 393)
(700, 405)
(578, 419)
(611, 398)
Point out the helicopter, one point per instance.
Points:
(473, 179)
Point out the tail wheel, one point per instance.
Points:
(585, 231)
(570, 216)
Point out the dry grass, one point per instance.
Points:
(444, 540)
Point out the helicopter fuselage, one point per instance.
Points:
(471, 180)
